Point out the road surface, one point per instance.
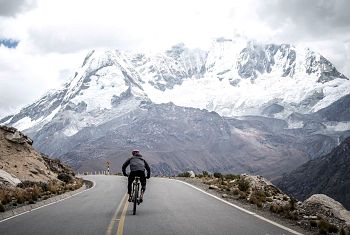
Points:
(170, 207)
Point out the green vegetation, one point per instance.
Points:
(313, 223)
(2, 208)
(325, 227)
(29, 192)
(184, 174)
(243, 184)
(257, 197)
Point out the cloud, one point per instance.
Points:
(10, 8)
(312, 19)
(26, 77)
(54, 36)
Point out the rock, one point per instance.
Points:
(6, 178)
(34, 171)
(326, 206)
(310, 217)
(192, 174)
(213, 186)
(15, 137)
(224, 195)
(8, 129)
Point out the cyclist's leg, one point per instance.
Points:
(143, 181)
(130, 180)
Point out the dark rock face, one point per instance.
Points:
(338, 111)
(42, 108)
(327, 175)
(175, 139)
(256, 59)
(272, 109)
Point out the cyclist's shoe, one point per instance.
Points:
(130, 198)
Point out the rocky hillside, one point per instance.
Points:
(327, 175)
(19, 161)
(319, 214)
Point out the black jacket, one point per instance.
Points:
(137, 163)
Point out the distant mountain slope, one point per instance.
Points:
(337, 111)
(174, 139)
(263, 98)
(328, 175)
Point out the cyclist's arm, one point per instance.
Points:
(125, 165)
(148, 169)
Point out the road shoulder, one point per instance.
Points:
(27, 208)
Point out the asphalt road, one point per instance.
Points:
(170, 207)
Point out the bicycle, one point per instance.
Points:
(135, 193)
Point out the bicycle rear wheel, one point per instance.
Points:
(135, 198)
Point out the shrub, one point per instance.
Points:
(231, 177)
(5, 195)
(257, 197)
(53, 187)
(2, 208)
(313, 223)
(217, 175)
(205, 173)
(269, 199)
(242, 195)
(19, 195)
(325, 227)
(292, 203)
(243, 184)
(235, 191)
(292, 215)
(65, 177)
(342, 231)
(184, 174)
(276, 209)
(30, 184)
(333, 228)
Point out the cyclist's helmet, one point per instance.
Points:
(135, 152)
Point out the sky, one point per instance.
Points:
(43, 42)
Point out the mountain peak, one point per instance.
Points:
(235, 77)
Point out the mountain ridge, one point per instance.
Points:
(239, 82)
(328, 175)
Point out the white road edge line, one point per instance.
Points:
(94, 183)
(242, 209)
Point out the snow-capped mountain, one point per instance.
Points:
(234, 78)
(114, 89)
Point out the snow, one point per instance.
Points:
(107, 74)
(7, 122)
(295, 125)
(337, 126)
(71, 130)
(26, 123)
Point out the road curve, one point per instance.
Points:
(170, 207)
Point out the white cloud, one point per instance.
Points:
(54, 35)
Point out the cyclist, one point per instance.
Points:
(137, 168)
